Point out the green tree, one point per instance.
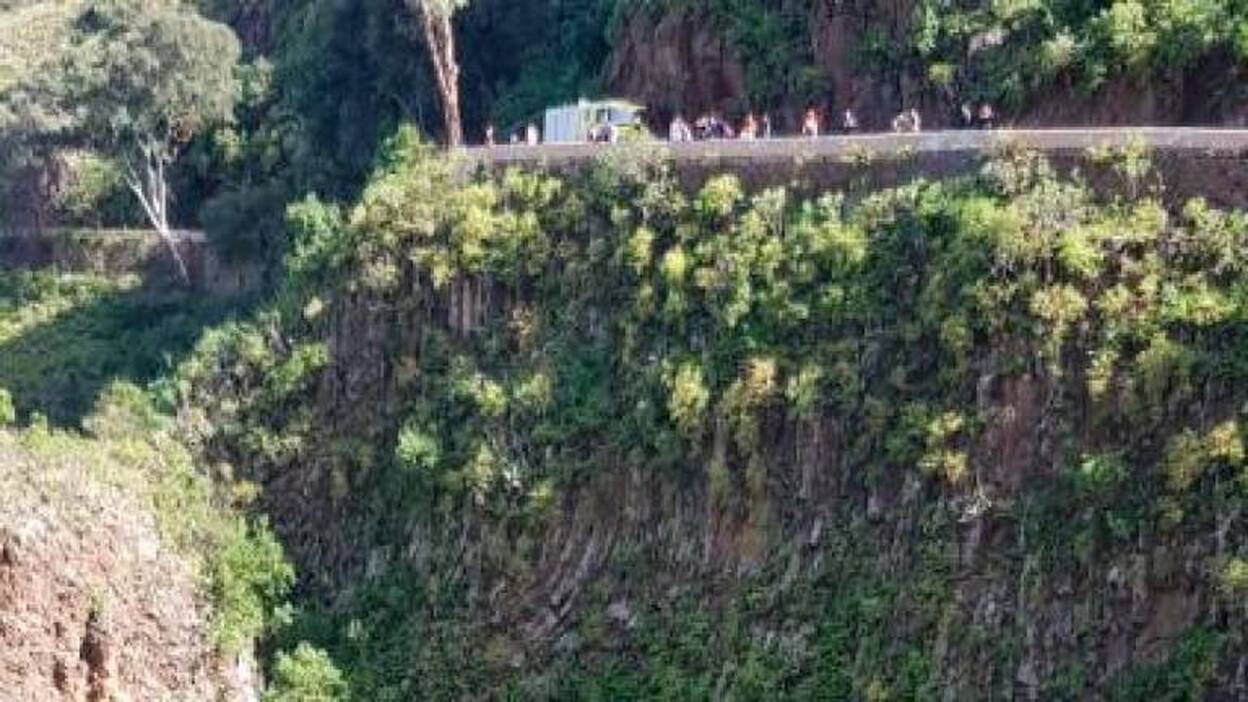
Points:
(146, 77)
(139, 79)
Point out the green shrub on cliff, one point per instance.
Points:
(306, 675)
(248, 577)
(496, 343)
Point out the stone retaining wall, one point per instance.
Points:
(139, 252)
(1212, 163)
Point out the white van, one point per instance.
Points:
(586, 119)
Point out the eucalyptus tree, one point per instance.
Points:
(439, 34)
(137, 81)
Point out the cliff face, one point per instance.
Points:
(837, 572)
(94, 605)
(857, 56)
(680, 63)
(974, 439)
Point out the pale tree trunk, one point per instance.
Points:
(440, 37)
(148, 183)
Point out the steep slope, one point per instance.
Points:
(1046, 63)
(94, 605)
(594, 438)
(127, 571)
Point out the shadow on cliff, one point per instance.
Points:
(57, 366)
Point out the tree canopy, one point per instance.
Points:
(137, 81)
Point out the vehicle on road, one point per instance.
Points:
(594, 120)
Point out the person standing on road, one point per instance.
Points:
(531, 136)
(489, 135)
(849, 122)
(702, 128)
(766, 125)
(810, 123)
(749, 128)
(907, 121)
(987, 117)
(679, 130)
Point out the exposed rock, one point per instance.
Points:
(621, 613)
(680, 64)
(91, 606)
(682, 60)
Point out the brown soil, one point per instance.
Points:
(92, 605)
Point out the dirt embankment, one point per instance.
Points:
(93, 606)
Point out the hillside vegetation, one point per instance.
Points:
(30, 34)
(126, 568)
(593, 438)
(65, 338)
(610, 433)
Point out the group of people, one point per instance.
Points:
(812, 123)
(981, 117)
(711, 126)
(531, 135)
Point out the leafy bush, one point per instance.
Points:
(305, 675)
(417, 449)
(245, 223)
(249, 578)
(95, 195)
(688, 398)
(315, 243)
(1233, 578)
(1190, 456)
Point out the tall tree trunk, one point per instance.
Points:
(440, 37)
(152, 190)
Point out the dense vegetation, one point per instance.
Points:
(1007, 52)
(66, 338)
(621, 323)
(74, 348)
(322, 83)
(1018, 49)
(449, 374)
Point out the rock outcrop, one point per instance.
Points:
(93, 605)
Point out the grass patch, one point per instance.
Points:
(63, 338)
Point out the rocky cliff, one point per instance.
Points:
(970, 439)
(94, 603)
(716, 56)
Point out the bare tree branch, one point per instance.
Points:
(439, 34)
